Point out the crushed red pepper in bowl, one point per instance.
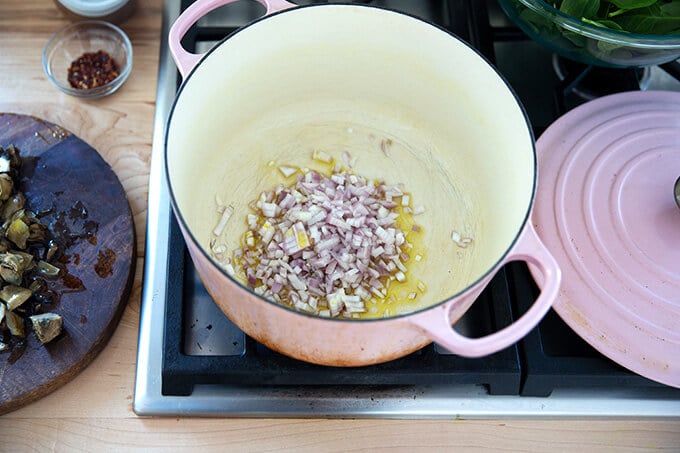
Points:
(92, 69)
(88, 59)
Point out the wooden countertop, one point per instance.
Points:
(94, 410)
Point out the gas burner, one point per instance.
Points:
(589, 82)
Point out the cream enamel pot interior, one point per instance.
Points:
(340, 78)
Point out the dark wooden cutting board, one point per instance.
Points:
(65, 177)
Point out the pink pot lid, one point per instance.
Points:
(605, 209)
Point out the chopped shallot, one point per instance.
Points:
(325, 244)
(322, 156)
(287, 171)
(460, 241)
(226, 215)
(421, 286)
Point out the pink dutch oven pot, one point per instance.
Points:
(340, 78)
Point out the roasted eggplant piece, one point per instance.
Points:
(46, 326)
(6, 186)
(47, 269)
(13, 265)
(14, 204)
(18, 232)
(37, 232)
(14, 296)
(26, 252)
(5, 245)
(15, 324)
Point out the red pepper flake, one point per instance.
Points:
(92, 69)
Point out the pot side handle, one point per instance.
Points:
(186, 61)
(528, 248)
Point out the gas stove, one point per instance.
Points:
(192, 361)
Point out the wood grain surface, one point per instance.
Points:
(85, 204)
(93, 412)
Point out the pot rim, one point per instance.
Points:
(492, 270)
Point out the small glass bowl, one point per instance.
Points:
(69, 43)
(579, 41)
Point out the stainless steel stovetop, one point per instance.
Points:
(185, 342)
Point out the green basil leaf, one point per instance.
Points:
(645, 24)
(591, 9)
(656, 17)
(536, 21)
(671, 8)
(632, 4)
(580, 8)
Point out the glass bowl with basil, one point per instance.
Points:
(612, 33)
